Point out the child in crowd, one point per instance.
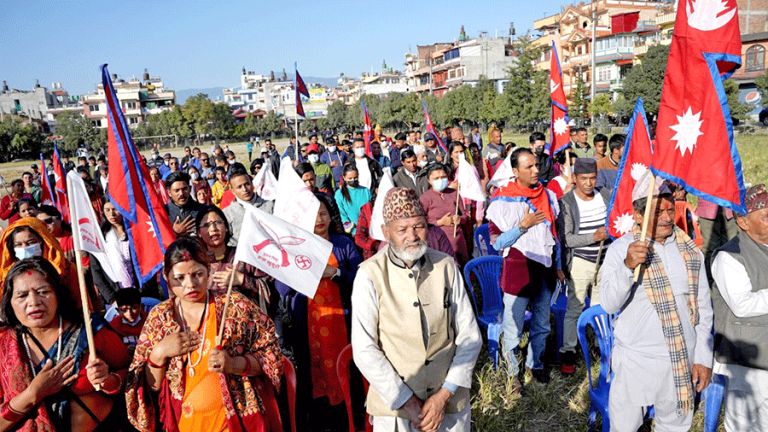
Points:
(220, 186)
(130, 319)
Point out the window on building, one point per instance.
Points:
(604, 73)
(755, 58)
(129, 105)
(93, 108)
(96, 123)
(452, 54)
(133, 120)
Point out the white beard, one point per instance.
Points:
(408, 254)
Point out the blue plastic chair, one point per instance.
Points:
(482, 233)
(602, 324)
(712, 398)
(558, 308)
(487, 270)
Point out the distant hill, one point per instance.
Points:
(215, 92)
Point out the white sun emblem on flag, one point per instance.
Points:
(624, 223)
(560, 126)
(637, 171)
(151, 229)
(688, 130)
(552, 85)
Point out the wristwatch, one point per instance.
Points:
(522, 229)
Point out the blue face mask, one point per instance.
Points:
(439, 185)
(28, 252)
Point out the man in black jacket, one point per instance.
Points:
(182, 209)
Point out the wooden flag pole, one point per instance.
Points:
(86, 309)
(597, 263)
(226, 305)
(646, 217)
(458, 197)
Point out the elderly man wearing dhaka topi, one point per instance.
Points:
(414, 334)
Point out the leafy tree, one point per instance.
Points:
(271, 124)
(337, 114)
(579, 106)
(601, 105)
(526, 96)
(739, 109)
(762, 87)
(645, 80)
(75, 129)
(19, 140)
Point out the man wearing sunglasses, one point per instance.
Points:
(51, 217)
(206, 169)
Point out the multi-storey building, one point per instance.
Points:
(138, 99)
(619, 24)
(440, 69)
(33, 104)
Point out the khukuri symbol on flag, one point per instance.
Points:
(286, 252)
(694, 133)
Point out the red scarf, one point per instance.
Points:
(537, 197)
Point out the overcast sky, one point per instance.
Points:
(199, 44)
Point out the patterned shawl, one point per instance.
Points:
(660, 294)
(247, 330)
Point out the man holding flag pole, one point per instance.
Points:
(663, 350)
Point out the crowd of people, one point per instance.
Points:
(402, 303)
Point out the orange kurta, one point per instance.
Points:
(203, 405)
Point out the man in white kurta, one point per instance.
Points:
(641, 358)
(414, 334)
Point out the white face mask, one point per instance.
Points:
(166, 162)
(360, 152)
(313, 158)
(440, 184)
(331, 149)
(423, 163)
(28, 252)
(231, 161)
(194, 176)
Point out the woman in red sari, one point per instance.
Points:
(202, 385)
(47, 381)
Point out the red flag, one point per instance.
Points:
(367, 131)
(695, 130)
(62, 202)
(149, 229)
(559, 129)
(431, 128)
(634, 163)
(300, 86)
(47, 196)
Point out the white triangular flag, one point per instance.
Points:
(86, 232)
(377, 217)
(504, 174)
(469, 184)
(265, 183)
(282, 250)
(295, 203)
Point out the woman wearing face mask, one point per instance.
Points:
(439, 203)
(194, 177)
(29, 237)
(350, 197)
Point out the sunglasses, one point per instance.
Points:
(48, 221)
(204, 160)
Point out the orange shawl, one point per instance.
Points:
(52, 252)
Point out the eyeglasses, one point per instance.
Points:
(217, 224)
(49, 220)
(204, 160)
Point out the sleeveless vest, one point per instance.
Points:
(400, 293)
(742, 341)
